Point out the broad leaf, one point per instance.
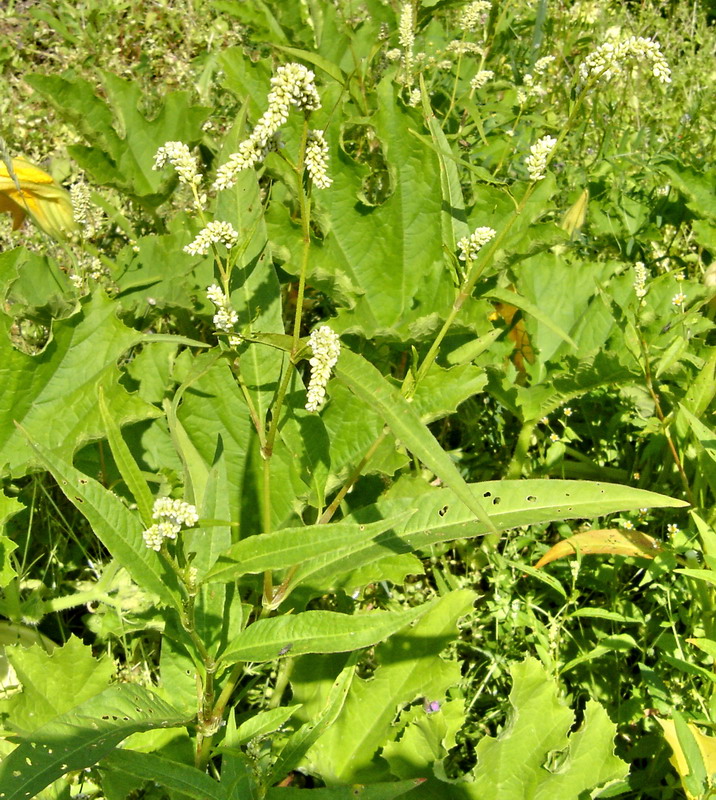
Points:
(511, 766)
(53, 395)
(80, 738)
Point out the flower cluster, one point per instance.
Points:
(171, 516)
(640, 276)
(461, 48)
(178, 155)
(326, 347)
(292, 85)
(482, 77)
(474, 15)
(609, 59)
(225, 317)
(214, 233)
(406, 34)
(542, 64)
(317, 159)
(536, 162)
(470, 246)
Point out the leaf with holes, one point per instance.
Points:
(81, 737)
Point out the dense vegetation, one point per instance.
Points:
(357, 399)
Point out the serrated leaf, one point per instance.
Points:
(376, 791)
(124, 162)
(409, 667)
(392, 251)
(80, 738)
(54, 682)
(511, 766)
(52, 395)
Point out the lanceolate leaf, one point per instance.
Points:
(610, 541)
(317, 632)
(81, 737)
(114, 525)
(172, 775)
(366, 382)
(324, 552)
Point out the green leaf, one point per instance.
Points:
(409, 668)
(52, 395)
(511, 766)
(127, 466)
(421, 516)
(376, 791)
(124, 162)
(80, 738)
(114, 525)
(53, 683)
(454, 218)
(317, 632)
(441, 391)
(289, 547)
(544, 317)
(307, 735)
(169, 774)
(366, 382)
(390, 253)
(9, 506)
(211, 408)
(263, 723)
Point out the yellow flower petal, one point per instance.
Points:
(38, 195)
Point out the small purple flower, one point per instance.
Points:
(431, 706)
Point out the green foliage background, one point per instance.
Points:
(416, 649)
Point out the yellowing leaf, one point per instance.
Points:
(610, 541)
(26, 189)
(706, 745)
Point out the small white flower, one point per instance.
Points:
(567, 411)
(474, 15)
(214, 233)
(536, 162)
(178, 155)
(672, 528)
(414, 98)
(542, 64)
(470, 246)
(678, 299)
(482, 77)
(326, 347)
(610, 59)
(317, 159)
(225, 317)
(640, 277)
(175, 512)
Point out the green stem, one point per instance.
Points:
(519, 456)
